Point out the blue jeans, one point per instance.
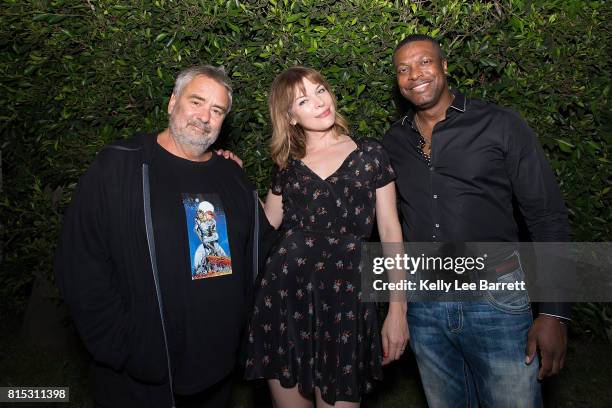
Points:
(472, 354)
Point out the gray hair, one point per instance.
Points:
(217, 74)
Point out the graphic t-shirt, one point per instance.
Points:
(208, 241)
(202, 219)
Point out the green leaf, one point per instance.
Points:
(160, 37)
(293, 18)
(233, 27)
(56, 19)
(41, 17)
(565, 146)
(360, 89)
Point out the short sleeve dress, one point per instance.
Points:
(308, 325)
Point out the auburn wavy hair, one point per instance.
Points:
(289, 140)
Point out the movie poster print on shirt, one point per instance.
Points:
(207, 231)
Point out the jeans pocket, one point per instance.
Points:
(510, 298)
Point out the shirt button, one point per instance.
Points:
(435, 196)
(431, 168)
(437, 225)
(433, 236)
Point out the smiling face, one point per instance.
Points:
(421, 74)
(313, 107)
(197, 113)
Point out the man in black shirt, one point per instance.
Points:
(459, 163)
(157, 256)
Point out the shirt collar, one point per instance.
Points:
(459, 104)
(459, 101)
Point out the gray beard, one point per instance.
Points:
(198, 145)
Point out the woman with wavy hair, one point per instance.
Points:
(310, 335)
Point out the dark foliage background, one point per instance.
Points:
(76, 75)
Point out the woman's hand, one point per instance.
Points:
(228, 154)
(395, 335)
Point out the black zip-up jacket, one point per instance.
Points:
(104, 270)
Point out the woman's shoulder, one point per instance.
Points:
(371, 147)
(369, 144)
(286, 169)
(279, 176)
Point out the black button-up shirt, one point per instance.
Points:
(481, 156)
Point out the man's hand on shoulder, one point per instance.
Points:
(228, 154)
(548, 335)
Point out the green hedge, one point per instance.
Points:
(76, 75)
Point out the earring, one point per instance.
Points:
(293, 123)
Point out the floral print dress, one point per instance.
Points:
(308, 325)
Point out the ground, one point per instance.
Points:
(585, 381)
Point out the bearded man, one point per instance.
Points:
(159, 334)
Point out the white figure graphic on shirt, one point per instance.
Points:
(206, 230)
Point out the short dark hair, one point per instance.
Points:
(420, 37)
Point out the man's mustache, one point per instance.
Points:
(205, 127)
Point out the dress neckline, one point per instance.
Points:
(348, 156)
